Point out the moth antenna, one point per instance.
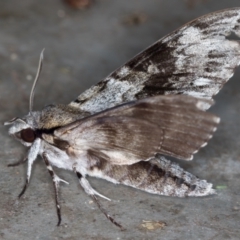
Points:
(35, 81)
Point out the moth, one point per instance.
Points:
(153, 106)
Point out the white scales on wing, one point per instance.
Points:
(196, 59)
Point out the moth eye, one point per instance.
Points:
(28, 135)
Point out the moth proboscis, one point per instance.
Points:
(153, 106)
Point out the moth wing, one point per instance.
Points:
(171, 125)
(196, 60)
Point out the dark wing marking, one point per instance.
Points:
(196, 59)
(173, 125)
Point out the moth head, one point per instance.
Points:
(25, 129)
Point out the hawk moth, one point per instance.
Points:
(153, 106)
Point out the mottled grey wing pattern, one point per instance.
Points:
(196, 59)
(171, 125)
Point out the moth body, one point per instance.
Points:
(154, 106)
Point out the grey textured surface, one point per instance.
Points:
(82, 47)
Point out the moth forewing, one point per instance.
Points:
(170, 125)
(197, 60)
(119, 129)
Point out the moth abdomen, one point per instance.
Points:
(165, 178)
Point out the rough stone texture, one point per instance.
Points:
(82, 47)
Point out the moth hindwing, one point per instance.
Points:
(153, 106)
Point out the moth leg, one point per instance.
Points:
(32, 156)
(21, 161)
(56, 181)
(92, 193)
